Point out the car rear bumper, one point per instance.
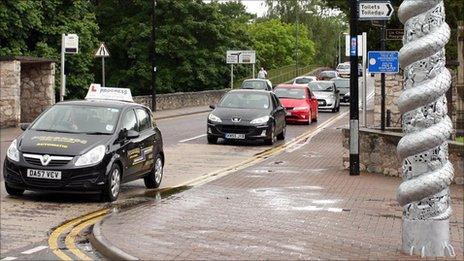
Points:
(297, 116)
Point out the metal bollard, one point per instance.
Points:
(427, 172)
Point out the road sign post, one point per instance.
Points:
(69, 45)
(102, 52)
(382, 79)
(240, 57)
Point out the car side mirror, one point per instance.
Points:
(24, 126)
(132, 134)
(212, 107)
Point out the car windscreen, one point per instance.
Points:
(78, 119)
(303, 80)
(321, 86)
(328, 74)
(245, 100)
(290, 93)
(342, 83)
(256, 85)
(343, 66)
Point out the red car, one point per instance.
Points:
(299, 102)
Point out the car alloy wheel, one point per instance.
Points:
(158, 170)
(154, 177)
(115, 183)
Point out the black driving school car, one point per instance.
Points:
(247, 115)
(89, 146)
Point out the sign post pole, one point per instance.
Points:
(63, 84)
(102, 52)
(354, 99)
(103, 71)
(382, 80)
(364, 77)
(231, 76)
(69, 45)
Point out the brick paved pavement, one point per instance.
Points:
(297, 205)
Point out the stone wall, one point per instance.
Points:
(10, 110)
(37, 89)
(182, 99)
(393, 89)
(378, 153)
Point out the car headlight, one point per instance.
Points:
(13, 153)
(214, 118)
(93, 156)
(260, 120)
(300, 108)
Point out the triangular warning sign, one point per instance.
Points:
(102, 51)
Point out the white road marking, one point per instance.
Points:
(8, 258)
(194, 138)
(33, 250)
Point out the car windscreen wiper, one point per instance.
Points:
(97, 133)
(58, 131)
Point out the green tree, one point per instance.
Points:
(276, 45)
(192, 38)
(34, 28)
(325, 26)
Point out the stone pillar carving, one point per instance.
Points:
(427, 172)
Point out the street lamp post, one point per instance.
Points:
(427, 171)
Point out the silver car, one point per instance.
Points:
(327, 95)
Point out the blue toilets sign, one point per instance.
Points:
(383, 62)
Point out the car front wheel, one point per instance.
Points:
(153, 180)
(272, 138)
(111, 191)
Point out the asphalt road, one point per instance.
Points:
(26, 221)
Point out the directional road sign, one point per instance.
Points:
(102, 51)
(246, 57)
(383, 62)
(375, 10)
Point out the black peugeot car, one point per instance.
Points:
(89, 146)
(247, 115)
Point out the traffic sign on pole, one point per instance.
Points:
(102, 51)
(383, 62)
(374, 10)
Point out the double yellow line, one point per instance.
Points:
(71, 229)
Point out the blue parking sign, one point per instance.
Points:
(383, 62)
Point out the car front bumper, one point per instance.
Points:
(324, 104)
(83, 180)
(251, 132)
